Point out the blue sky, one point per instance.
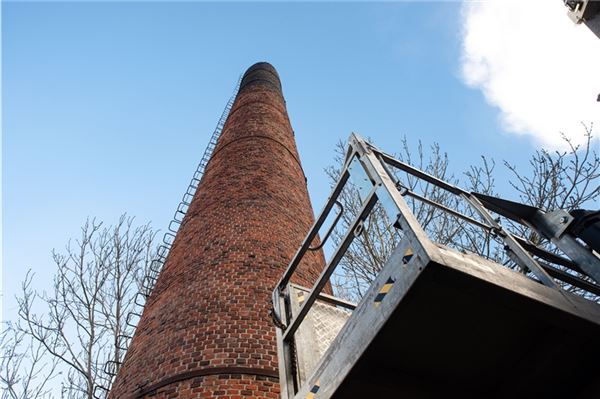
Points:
(107, 107)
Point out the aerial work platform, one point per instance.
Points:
(442, 320)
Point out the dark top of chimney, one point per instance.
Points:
(262, 73)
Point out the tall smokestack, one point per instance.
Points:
(205, 331)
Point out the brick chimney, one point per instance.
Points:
(205, 331)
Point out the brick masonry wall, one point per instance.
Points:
(206, 331)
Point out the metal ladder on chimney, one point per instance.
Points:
(111, 367)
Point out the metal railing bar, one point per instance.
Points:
(375, 168)
(418, 173)
(449, 210)
(570, 279)
(526, 244)
(326, 274)
(329, 298)
(287, 275)
(529, 247)
(407, 191)
(331, 228)
(525, 259)
(548, 256)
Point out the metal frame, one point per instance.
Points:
(585, 11)
(381, 185)
(386, 189)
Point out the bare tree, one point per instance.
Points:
(566, 179)
(83, 315)
(25, 371)
(128, 263)
(561, 179)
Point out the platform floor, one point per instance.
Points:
(454, 334)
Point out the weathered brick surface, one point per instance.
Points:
(206, 331)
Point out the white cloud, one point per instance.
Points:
(535, 65)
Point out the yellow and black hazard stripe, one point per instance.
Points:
(383, 291)
(313, 391)
(408, 254)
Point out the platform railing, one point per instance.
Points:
(374, 174)
(375, 187)
(572, 263)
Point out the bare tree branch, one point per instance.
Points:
(83, 316)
